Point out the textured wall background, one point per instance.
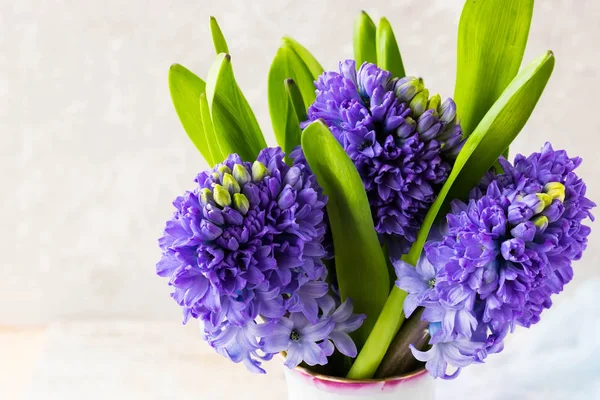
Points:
(92, 152)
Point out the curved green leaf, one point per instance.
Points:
(502, 124)
(287, 64)
(307, 58)
(359, 261)
(388, 53)
(296, 112)
(209, 130)
(492, 36)
(496, 131)
(217, 36)
(234, 122)
(364, 39)
(296, 100)
(186, 88)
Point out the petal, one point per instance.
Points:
(344, 343)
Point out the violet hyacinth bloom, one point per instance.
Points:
(247, 242)
(506, 252)
(402, 142)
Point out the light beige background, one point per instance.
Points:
(92, 152)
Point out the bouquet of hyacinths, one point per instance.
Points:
(388, 229)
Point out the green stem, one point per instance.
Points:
(388, 324)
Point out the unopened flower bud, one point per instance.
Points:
(407, 128)
(541, 222)
(206, 196)
(408, 87)
(556, 190)
(428, 126)
(230, 184)
(418, 104)
(544, 198)
(241, 203)
(447, 111)
(241, 174)
(434, 103)
(259, 171)
(224, 169)
(221, 196)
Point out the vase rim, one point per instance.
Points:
(337, 379)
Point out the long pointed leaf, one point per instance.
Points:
(209, 130)
(186, 88)
(492, 36)
(287, 64)
(234, 122)
(217, 36)
(307, 58)
(388, 53)
(360, 264)
(502, 123)
(364, 39)
(295, 114)
(496, 131)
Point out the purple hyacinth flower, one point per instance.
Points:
(402, 143)
(504, 254)
(299, 338)
(459, 354)
(247, 242)
(345, 323)
(418, 282)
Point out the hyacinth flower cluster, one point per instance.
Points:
(402, 142)
(243, 253)
(504, 254)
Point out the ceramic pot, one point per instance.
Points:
(303, 384)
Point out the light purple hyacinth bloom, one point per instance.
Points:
(247, 242)
(504, 255)
(402, 142)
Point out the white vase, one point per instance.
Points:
(303, 384)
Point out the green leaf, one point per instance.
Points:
(296, 100)
(492, 36)
(502, 124)
(209, 130)
(388, 53)
(296, 112)
(288, 64)
(360, 264)
(496, 131)
(233, 120)
(307, 58)
(186, 88)
(217, 36)
(364, 39)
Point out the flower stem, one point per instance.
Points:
(388, 324)
(399, 360)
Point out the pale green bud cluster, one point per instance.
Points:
(228, 192)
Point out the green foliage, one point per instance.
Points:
(292, 61)
(364, 40)
(388, 53)
(217, 36)
(359, 261)
(492, 36)
(186, 88)
(234, 122)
